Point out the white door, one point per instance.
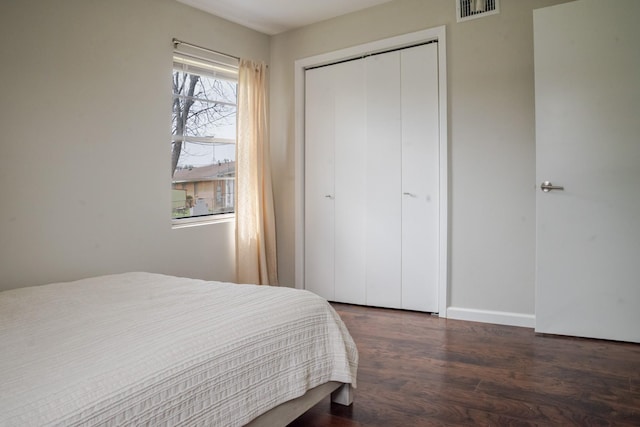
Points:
(384, 180)
(372, 167)
(319, 186)
(335, 183)
(587, 83)
(420, 178)
(350, 182)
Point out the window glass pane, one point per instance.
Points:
(225, 152)
(177, 124)
(210, 120)
(203, 140)
(216, 90)
(204, 190)
(205, 153)
(204, 87)
(184, 83)
(196, 154)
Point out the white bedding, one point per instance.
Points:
(141, 348)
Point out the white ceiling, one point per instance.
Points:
(276, 16)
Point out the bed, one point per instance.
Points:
(142, 348)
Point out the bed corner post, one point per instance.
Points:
(343, 395)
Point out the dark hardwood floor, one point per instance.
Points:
(418, 370)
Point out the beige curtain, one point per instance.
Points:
(255, 222)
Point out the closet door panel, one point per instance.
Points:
(383, 179)
(350, 181)
(372, 180)
(420, 178)
(319, 182)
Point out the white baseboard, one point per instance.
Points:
(488, 316)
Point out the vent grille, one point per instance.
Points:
(471, 9)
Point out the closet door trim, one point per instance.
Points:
(435, 34)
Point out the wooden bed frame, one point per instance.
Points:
(288, 411)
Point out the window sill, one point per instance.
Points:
(198, 221)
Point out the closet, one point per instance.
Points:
(371, 211)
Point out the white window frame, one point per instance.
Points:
(227, 68)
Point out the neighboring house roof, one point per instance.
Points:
(205, 173)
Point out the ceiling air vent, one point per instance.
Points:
(471, 9)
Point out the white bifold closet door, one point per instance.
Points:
(371, 180)
(335, 182)
(420, 178)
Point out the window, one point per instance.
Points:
(203, 140)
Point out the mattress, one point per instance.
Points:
(141, 348)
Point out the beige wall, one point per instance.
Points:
(85, 109)
(85, 113)
(491, 139)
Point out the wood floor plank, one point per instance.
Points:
(420, 370)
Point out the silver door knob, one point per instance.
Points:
(548, 186)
